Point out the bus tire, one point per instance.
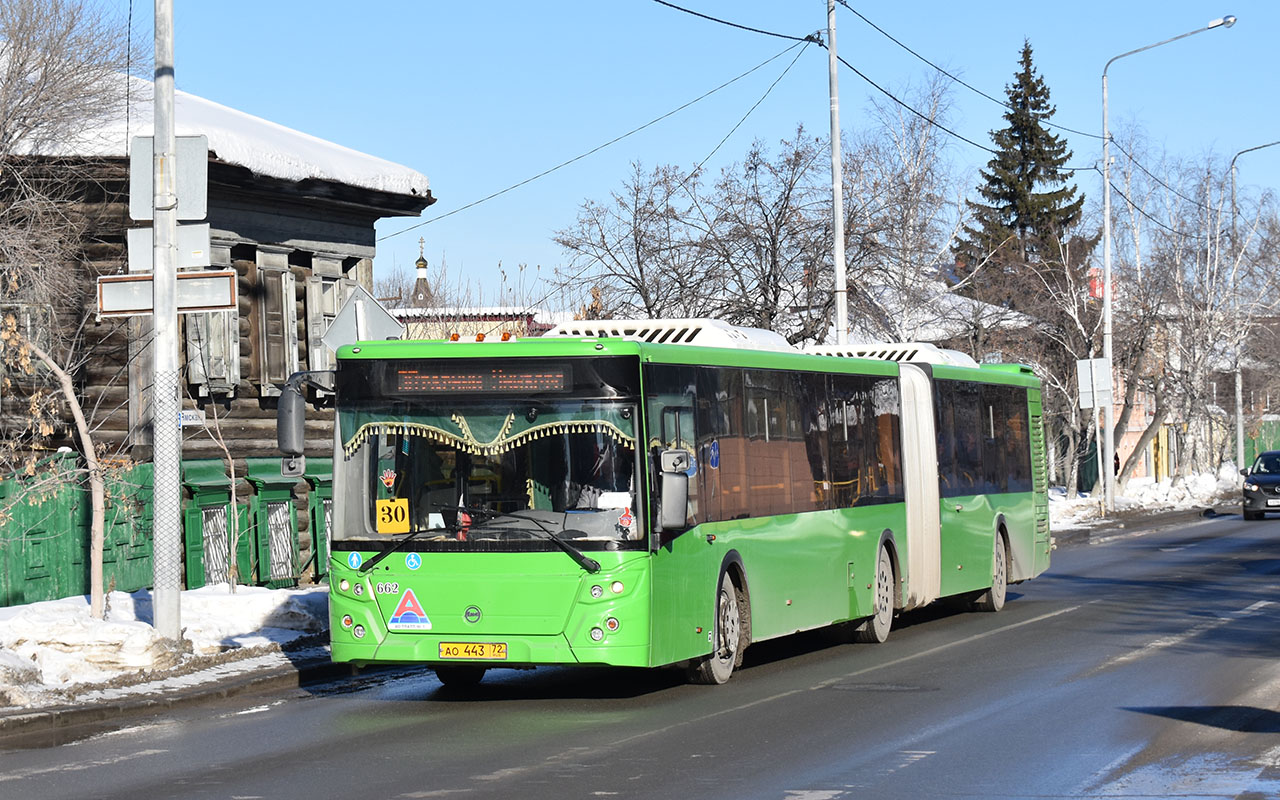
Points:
(875, 628)
(459, 676)
(727, 636)
(993, 598)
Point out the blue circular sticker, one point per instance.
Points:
(413, 560)
(354, 560)
(714, 458)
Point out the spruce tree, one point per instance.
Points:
(1027, 206)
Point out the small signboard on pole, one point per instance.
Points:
(1094, 378)
(198, 290)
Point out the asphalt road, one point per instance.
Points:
(1140, 666)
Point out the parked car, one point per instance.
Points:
(1262, 485)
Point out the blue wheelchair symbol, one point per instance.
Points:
(413, 561)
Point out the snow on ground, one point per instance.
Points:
(1146, 495)
(54, 651)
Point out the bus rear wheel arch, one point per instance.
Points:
(993, 599)
(731, 631)
(875, 628)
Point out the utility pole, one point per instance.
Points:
(837, 182)
(165, 404)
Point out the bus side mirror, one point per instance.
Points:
(674, 467)
(291, 412)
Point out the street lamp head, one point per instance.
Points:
(1223, 22)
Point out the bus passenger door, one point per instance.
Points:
(683, 594)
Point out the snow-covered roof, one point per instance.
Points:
(259, 145)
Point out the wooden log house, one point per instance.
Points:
(293, 216)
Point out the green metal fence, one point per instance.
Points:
(45, 523)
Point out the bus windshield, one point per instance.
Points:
(486, 474)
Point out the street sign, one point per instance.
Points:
(193, 247)
(192, 160)
(361, 318)
(198, 290)
(188, 417)
(1094, 378)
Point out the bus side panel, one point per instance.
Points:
(684, 575)
(967, 543)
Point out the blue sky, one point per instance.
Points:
(480, 96)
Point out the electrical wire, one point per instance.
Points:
(810, 38)
(919, 114)
(574, 277)
(958, 80)
(1144, 213)
(598, 148)
(1152, 176)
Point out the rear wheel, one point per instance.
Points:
(727, 638)
(993, 598)
(875, 629)
(459, 675)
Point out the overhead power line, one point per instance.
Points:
(813, 37)
(598, 148)
(955, 78)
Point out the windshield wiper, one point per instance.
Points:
(579, 557)
(373, 562)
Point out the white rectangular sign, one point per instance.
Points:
(198, 290)
(193, 247)
(192, 159)
(1094, 378)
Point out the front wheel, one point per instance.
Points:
(727, 638)
(875, 629)
(993, 598)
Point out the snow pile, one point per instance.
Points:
(1146, 494)
(54, 649)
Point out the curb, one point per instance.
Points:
(1109, 528)
(69, 718)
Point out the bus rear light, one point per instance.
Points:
(596, 634)
(616, 587)
(611, 624)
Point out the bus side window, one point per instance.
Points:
(670, 422)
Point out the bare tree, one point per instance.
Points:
(62, 70)
(766, 230)
(639, 250)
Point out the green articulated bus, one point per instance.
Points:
(664, 493)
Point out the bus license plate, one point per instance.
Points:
(489, 651)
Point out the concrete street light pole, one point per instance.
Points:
(1108, 408)
(1235, 256)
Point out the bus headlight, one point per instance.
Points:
(616, 587)
(597, 592)
(344, 584)
(596, 634)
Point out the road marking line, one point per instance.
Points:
(1165, 642)
(78, 765)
